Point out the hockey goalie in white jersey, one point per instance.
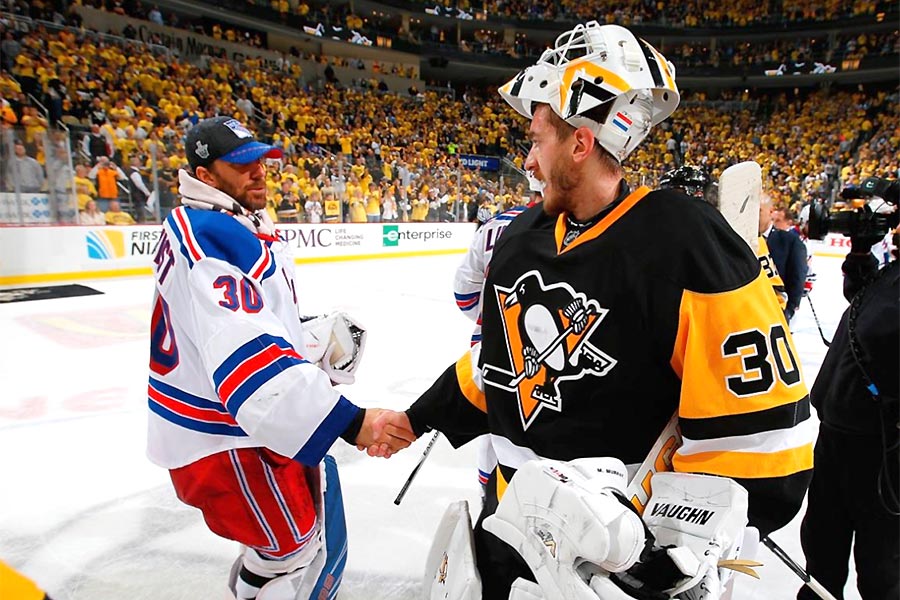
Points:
(241, 404)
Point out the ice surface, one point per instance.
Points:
(85, 514)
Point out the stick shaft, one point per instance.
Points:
(415, 470)
(816, 317)
(808, 579)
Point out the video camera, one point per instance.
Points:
(855, 217)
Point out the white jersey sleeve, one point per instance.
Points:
(469, 279)
(226, 367)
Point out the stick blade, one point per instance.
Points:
(740, 191)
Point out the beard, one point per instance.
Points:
(251, 199)
(563, 179)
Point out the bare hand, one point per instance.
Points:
(384, 432)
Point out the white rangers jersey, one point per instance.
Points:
(470, 274)
(226, 357)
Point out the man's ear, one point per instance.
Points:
(205, 175)
(584, 144)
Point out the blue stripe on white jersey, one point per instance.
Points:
(331, 427)
(257, 380)
(194, 425)
(185, 397)
(467, 302)
(179, 235)
(270, 271)
(510, 214)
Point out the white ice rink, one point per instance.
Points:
(85, 514)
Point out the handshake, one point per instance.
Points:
(384, 432)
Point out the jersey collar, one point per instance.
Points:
(602, 225)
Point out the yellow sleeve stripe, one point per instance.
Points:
(747, 465)
(467, 384)
(734, 353)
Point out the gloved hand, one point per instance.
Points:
(789, 313)
(652, 576)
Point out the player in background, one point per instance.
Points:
(469, 278)
(468, 284)
(788, 255)
(239, 411)
(694, 181)
(606, 310)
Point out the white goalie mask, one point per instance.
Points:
(538, 84)
(601, 77)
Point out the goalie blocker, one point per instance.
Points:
(583, 540)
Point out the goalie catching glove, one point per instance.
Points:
(583, 540)
(336, 343)
(698, 523)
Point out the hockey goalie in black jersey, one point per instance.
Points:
(607, 309)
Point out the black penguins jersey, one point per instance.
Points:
(590, 348)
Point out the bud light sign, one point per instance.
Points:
(475, 161)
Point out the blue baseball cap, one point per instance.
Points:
(225, 138)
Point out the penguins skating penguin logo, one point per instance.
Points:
(547, 328)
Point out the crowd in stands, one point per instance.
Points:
(362, 155)
(690, 13)
(819, 54)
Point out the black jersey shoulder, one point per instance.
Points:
(531, 218)
(527, 221)
(704, 253)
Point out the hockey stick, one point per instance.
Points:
(415, 471)
(808, 579)
(816, 317)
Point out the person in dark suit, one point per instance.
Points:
(788, 253)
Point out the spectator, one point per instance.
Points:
(288, 203)
(23, 172)
(140, 193)
(155, 16)
(313, 207)
(95, 144)
(116, 216)
(91, 215)
(388, 203)
(85, 189)
(61, 183)
(10, 48)
(107, 175)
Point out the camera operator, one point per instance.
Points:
(854, 489)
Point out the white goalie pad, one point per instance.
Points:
(336, 343)
(450, 572)
(740, 189)
(704, 518)
(568, 523)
